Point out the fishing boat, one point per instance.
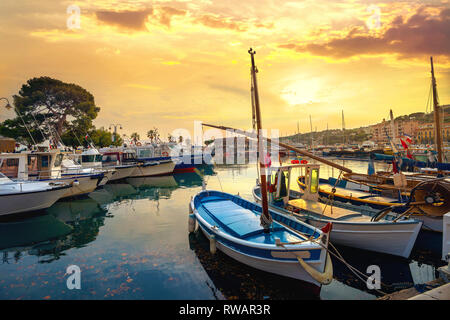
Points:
(70, 168)
(372, 199)
(353, 228)
(259, 237)
(26, 196)
(46, 166)
(127, 156)
(291, 248)
(184, 161)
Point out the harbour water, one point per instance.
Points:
(130, 240)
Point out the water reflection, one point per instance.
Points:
(130, 239)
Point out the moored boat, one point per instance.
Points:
(25, 196)
(234, 224)
(353, 228)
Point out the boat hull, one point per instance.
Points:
(158, 169)
(30, 201)
(290, 269)
(385, 237)
(122, 172)
(81, 185)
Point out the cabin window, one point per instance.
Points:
(10, 167)
(89, 158)
(145, 153)
(44, 162)
(58, 160)
(12, 162)
(314, 180)
(109, 158)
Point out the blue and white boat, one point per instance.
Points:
(184, 161)
(292, 248)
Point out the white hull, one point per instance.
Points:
(391, 238)
(122, 173)
(107, 177)
(435, 224)
(394, 238)
(24, 202)
(154, 170)
(283, 268)
(85, 185)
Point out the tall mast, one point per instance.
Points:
(437, 116)
(298, 132)
(266, 219)
(310, 123)
(343, 127)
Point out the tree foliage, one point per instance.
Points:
(49, 108)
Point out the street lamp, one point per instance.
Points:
(115, 130)
(8, 106)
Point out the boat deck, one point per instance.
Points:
(327, 211)
(243, 223)
(355, 194)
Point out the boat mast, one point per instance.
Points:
(266, 219)
(343, 128)
(310, 123)
(437, 116)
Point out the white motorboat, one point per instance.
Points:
(46, 166)
(126, 157)
(24, 196)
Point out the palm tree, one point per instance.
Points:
(135, 136)
(153, 134)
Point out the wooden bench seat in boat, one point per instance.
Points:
(318, 208)
(242, 222)
(357, 194)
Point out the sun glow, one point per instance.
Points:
(301, 92)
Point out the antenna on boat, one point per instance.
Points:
(266, 219)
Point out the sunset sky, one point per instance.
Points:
(168, 63)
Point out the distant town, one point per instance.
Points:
(419, 126)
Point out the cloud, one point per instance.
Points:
(212, 21)
(422, 34)
(126, 19)
(166, 13)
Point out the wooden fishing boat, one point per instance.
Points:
(355, 196)
(353, 228)
(259, 237)
(234, 224)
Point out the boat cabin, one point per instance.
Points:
(117, 156)
(90, 158)
(280, 181)
(34, 165)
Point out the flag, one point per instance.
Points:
(267, 160)
(407, 138)
(86, 137)
(404, 144)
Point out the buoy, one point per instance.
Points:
(212, 244)
(191, 223)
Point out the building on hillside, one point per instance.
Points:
(425, 134)
(381, 132)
